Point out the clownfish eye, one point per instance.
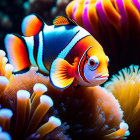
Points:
(93, 62)
(107, 60)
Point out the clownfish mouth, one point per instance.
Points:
(102, 77)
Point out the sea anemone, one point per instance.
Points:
(96, 112)
(92, 113)
(114, 23)
(112, 13)
(125, 86)
(32, 116)
(5, 69)
(4, 135)
(6, 75)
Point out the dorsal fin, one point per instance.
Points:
(63, 20)
(31, 25)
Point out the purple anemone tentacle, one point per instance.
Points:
(75, 9)
(120, 5)
(137, 4)
(101, 12)
(85, 17)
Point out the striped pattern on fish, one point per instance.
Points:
(61, 50)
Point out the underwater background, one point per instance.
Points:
(110, 111)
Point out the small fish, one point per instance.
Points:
(65, 51)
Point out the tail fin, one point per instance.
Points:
(17, 51)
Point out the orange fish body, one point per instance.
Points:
(65, 51)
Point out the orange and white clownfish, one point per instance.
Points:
(65, 51)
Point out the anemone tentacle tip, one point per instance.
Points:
(124, 126)
(9, 67)
(44, 99)
(23, 94)
(4, 136)
(2, 53)
(5, 59)
(6, 113)
(38, 87)
(3, 81)
(55, 121)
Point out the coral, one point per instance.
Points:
(91, 112)
(5, 117)
(114, 23)
(32, 118)
(25, 82)
(29, 117)
(125, 86)
(6, 75)
(99, 108)
(5, 69)
(116, 13)
(4, 135)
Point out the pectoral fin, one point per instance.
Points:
(61, 73)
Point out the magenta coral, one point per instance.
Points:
(117, 13)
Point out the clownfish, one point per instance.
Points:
(65, 51)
